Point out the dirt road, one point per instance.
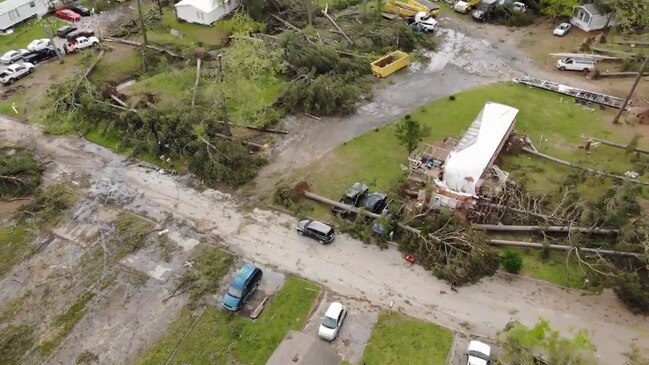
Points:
(346, 266)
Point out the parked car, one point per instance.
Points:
(394, 211)
(80, 43)
(375, 202)
(562, 29)
(519, 7)
(39, 56)
(479, 353)
(81, 10)
(64, 31)
(484, 11)
(353, 197)
(575, 64)
(15, 72)
(13, 56)
(332, 321)
(244, 284)
(38, 44)
(72, 37)
(319, 231)
(67, 14)
(462, 7)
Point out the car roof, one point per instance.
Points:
(319, 226)
(480, 347)
(242, 275)
(334, 310)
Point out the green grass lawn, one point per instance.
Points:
(552, 269)
(28, 31)
(208, 35)
(15, 244)
(219, 337)
(376, 156)
(399, 339)
(117, 65)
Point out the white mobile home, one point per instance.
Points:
(204, 12)
(13, 12)
(589, 17)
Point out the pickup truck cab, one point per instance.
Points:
(81, 43)
(479, 353)
(424, 22)
(574, 64)
(484, 11)
(15, 72)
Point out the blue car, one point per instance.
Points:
(243, 285)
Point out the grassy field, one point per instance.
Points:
(15, 244)
(65, 322)
(219, 337)
(27, 32)
(398, 339)
(553, 269)
(212, 35)
(375, 157)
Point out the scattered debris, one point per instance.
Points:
(588, 96)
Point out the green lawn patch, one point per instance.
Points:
(14, 342)
(219, 337)
(117, 65)
(376, 156)
(27, 32)
(65, 322)
(15, 245)
(553, 269)
(399, 339)
(208, 35)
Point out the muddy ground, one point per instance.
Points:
(347, 266)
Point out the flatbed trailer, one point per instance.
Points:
(579, 94)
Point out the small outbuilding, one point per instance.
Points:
(13, 12)
(302, 349)
(589, 17)
(205, 12)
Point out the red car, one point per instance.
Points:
(67, 14)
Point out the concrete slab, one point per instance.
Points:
(81, 234)
(148, 262)
(356, 329)
(187, 244)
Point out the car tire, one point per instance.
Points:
(586, 70)
(10, 81)
(30, 70)
(301, 233)
(322, 242)
(562, 68)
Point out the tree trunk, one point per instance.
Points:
(493, 242)
(616, 120)
(224, 107)
(145, 41)
(309, 11)
(563, 229)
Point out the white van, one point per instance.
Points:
(575, 64)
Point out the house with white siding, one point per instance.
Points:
(13, 12)
(204, 12)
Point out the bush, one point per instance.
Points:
(20, 174)
(633, 292)
(511, 261)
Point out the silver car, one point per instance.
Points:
(13, 56)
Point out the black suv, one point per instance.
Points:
(81, 10)
(316, 230)
(64, 31)
(354, 196)
(375, 202)
(39, 56)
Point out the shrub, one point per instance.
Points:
(20, 174)
(511, 261)
(633, 292)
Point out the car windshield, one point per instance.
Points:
(329, 322)
(234, 292)
(479, 355)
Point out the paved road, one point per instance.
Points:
(346, 266)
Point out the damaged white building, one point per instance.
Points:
(466, 171)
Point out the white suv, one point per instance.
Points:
(15, 72)
(332, 321)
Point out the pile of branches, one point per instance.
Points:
(20, 174)
(452, 250)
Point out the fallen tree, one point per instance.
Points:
(150, 46)
(493, 242)
(563, 229)
(570, 164)
(618, 145)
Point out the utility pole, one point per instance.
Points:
(224, 106)
(309, 11)
(616, 120)
(145, 42)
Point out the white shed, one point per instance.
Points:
(13, 12)
(478, 148)
(204, 12)
(589, 17)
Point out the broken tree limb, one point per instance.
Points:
(255, 128)
(566, 229)
(251, 144)
(562, 248)
(620, 74)
(335, 24)
(545, 217)
(492, 242)
(618, 145)
(150, 46)
(93, 64)
(637, 43)
(570, 164)
(198, 77)
(122, 103)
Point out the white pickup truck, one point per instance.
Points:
(479, 353)
(81, 43)
(15, 72)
